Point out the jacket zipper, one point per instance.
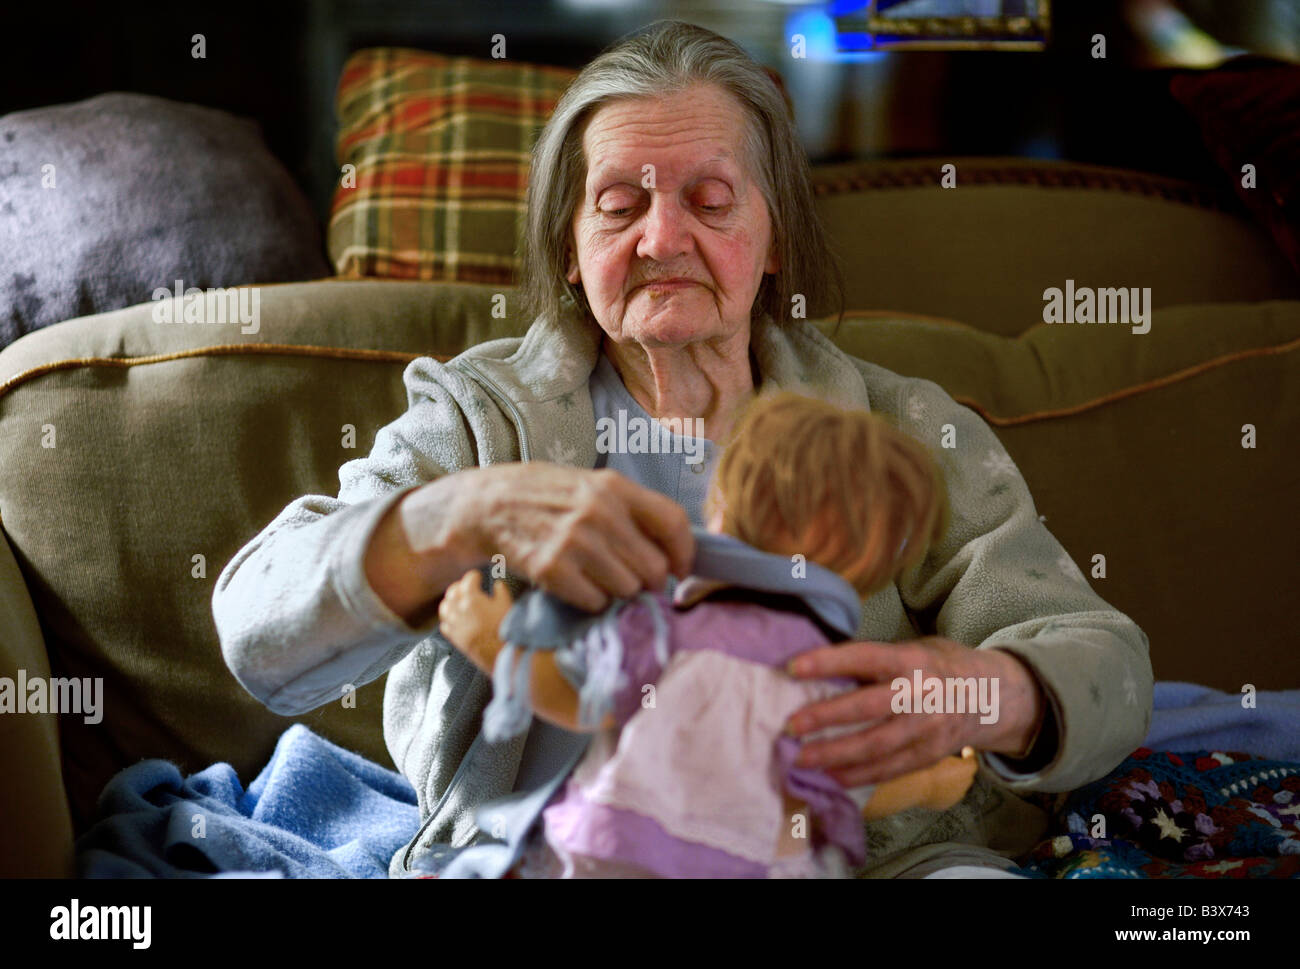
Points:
(495, 388)
(456, 779)
(416, 842)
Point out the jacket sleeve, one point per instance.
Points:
(297, 619)
(998, 579)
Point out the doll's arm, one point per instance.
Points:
(554, 698)
(939, 786)
(469, 618)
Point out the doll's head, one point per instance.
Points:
(842, 487)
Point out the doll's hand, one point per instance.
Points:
(951, 778)
(470, 618)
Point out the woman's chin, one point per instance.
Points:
(673, 325)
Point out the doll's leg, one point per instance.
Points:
(938, 786)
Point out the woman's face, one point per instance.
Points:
(669, 196)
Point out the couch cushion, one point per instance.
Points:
(132, 176)
(177, 456)
(173, 441)
(1012, 228)
(33, 799)
(1132, 448)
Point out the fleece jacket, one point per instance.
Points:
(299, 624)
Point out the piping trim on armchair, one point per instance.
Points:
(395, 356)
(869, 176)
(218, 350)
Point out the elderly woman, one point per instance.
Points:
(670, 228)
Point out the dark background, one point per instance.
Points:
(278, 61)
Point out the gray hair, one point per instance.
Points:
(662, 59)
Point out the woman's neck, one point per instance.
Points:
(707, 380)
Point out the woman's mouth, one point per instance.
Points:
(669, 284)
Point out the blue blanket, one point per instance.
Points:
(1191, 717)
(319, 811)
(315, 811)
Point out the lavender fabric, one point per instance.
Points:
(841, 821)
(747, 631)
(607, 832)
(752, 632)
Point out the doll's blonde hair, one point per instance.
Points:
(790, 458)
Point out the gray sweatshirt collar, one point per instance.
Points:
(555, 359)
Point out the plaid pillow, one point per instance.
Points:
(441, 148)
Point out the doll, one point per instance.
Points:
(688, 772)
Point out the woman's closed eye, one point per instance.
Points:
(621, 208)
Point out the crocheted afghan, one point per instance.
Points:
(1202, 814)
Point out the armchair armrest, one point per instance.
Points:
(34, 809)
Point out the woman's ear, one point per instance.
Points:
(773, 264)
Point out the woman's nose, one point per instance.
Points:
(665, 232)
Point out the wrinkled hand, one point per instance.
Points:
(470, 618)
(892, 744)
(585, 535)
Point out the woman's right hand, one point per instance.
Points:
(586, 536)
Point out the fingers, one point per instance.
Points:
(861, 661)
(452, 621)
(649, 563)
(591, 561)
(501, 596)
(465, 608)
(626, 561)
(900, 744)
(865, 705)
(457, 600)
(453, 600)
(569, 582)
(586, 536)
(905, 761)
(624, 538)
(666, 523)
(468, 585)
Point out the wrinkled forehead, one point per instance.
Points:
(715, 138)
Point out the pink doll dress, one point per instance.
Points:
(691, 782)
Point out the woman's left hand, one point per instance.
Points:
(892, 744)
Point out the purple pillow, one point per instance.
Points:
(145, 192)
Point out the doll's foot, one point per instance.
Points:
(951, 780)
